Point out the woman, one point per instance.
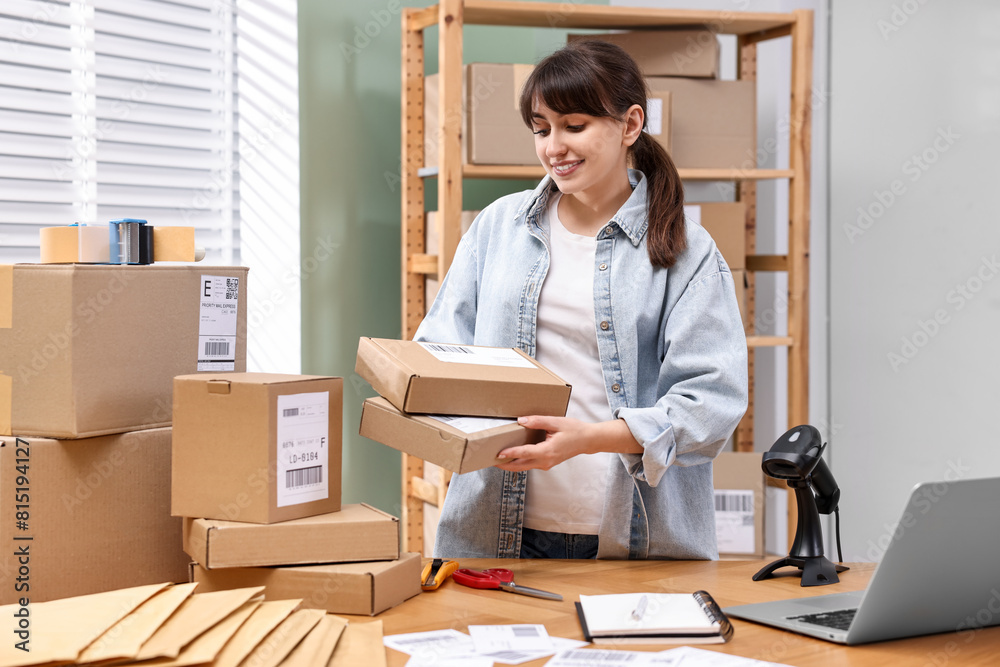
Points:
(595, 274)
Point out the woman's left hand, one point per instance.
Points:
(565, 438)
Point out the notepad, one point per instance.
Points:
(653, 618)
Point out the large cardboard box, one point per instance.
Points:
(460, 379)
(492, 129)
(713, 123)
(256, 447)
(681, 52)
(356, 533)
(86, 516)
(659, 117)
(87, 350)
(739, 504)
(726, 222)
(459, 444)
(345, 588)
(432, 233)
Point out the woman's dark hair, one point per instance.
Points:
(599, 79)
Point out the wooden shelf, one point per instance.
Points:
(529, 172)
(420, 262)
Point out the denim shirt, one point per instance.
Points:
(674, 358)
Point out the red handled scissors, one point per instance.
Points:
(498, 577)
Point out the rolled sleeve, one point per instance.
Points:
(702, 383)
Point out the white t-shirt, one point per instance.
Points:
(569, 498)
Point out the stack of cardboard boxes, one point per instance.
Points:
(88, 354)
(256, 476)
(454, 405)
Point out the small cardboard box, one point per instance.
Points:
(658, 118)
(713, 123)
(492, 129)
(256, 447)
(88, 350)
(683, 52)
(739, 504)
(459, 444)
(87, 516)
(460, 379)
(726, 222)
(356, 533)
(346, 588)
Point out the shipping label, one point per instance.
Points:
(303, 448)
(470, 425)
(734, 524)
(483, 356)
(217, 326)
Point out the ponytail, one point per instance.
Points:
(665, 238)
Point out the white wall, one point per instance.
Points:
(914, 285)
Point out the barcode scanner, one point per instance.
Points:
(796, 457)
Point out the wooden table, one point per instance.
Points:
(455, 606)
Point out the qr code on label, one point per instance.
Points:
(232, 288)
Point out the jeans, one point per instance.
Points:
(543, 544)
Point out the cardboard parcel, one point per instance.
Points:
(357, 532)
(434, 378)
(88, 350)
(99, 515)
(456, 443)
(256, 447)
(341, 588)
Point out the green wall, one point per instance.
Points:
(349, 82)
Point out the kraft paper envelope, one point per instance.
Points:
(208, 645)
(126, 637)
(197, 614)
(60, 629)
(318, 645)
(285, 637)
(361, 644)
(267, 617)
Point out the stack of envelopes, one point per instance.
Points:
(174, 625)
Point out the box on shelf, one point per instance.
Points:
(98, 516)
(680, 52)
(713, 123)
(739, 504)
(460, 379)
(344, 588)
(88, 350)
(726, 222)
(659, 117)
(256, 447)
(459, 444)
(492, 129)
(432, 232)
(356, 533)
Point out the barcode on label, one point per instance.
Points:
(437, 347)
(739, 501)
(303, 477)
(232, 288)
(215, 349)
(524, 631)
(290, 412)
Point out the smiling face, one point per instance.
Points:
(585, 155)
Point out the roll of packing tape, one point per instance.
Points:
(74, 244)
(174, 244)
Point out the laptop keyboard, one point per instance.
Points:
(839, 620)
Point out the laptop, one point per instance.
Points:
(940, 573)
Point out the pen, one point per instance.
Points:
(640, 609)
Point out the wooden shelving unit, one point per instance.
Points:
(419, 262)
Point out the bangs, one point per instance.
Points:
(564, 87)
